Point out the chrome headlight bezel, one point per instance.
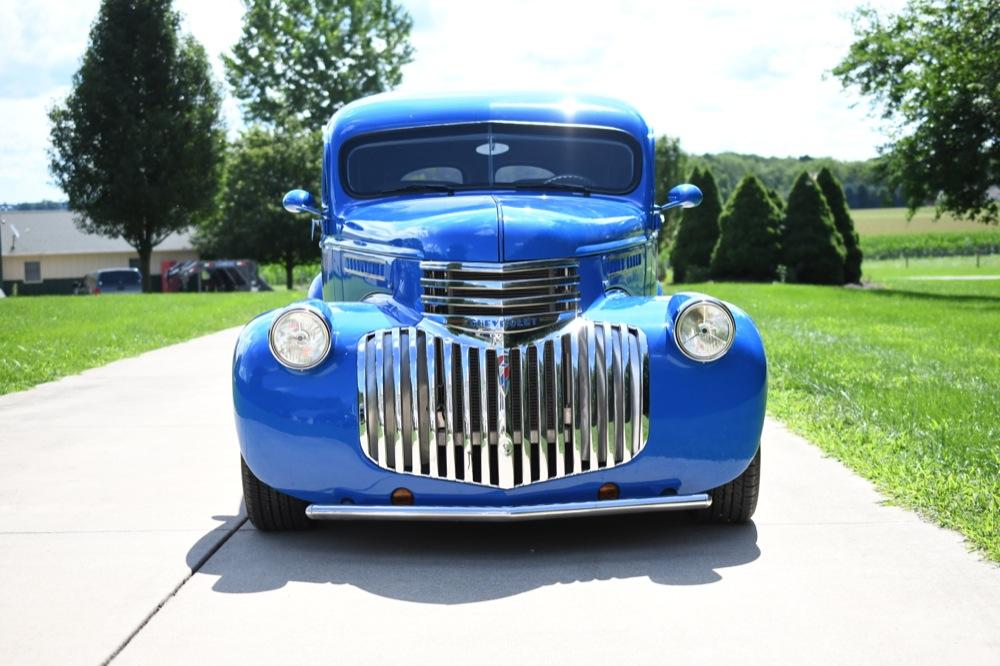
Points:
(308, 311)
(685, 310)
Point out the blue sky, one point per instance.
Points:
(733, 75)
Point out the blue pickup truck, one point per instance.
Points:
(487, 339)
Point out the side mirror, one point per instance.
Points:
(300, 201)
(683, 196)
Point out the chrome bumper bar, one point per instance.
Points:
(508, 513)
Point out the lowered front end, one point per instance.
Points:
(502, 400)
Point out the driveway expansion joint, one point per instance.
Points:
(195, 569)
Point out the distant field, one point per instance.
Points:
(48, 337)
(882, 221)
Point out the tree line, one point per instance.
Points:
(140, 149)
(863, 181)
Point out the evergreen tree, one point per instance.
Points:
(137, 145)
(834, 195)
(698, 232)
(776, 199)
(749, 246)
(813, 249)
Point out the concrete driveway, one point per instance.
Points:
(122, 538)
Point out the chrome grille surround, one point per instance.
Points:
(459, 408)
(512, 298)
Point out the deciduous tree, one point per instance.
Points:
(137, 144)
(933, 71)
(261, 166)
(304, 59)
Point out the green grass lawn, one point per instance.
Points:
(900, 383)
(47, 337)
(914, 269)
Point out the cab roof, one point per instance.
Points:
(396, 110)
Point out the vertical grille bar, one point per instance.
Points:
(586, 388)
(629, 417)
(484, 415)
(449, 440)
(601, 394)
(526, 414)
(398, 456)
(576, 378)
(473, 413)
(380, 387)
(430, 356)
(463, 460)
(559, 387)
(644, 388)
(609, 402)
(372, 420)
(619, 408)
(561, 405)
(411, 418)
(636, 376)
(421, 420)
(539, 453)
(401, 377)
(505, 444)
(553, 458)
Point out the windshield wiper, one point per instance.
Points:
(565, 187)
(419, 187)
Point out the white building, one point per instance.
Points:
(43, 252)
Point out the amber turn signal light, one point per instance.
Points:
(608, 491)
(402, 497)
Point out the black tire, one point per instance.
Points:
(735, 501)
(271, 510)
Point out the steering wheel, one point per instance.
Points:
(570, 179)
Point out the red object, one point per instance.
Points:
(165, 283)
(97, 291)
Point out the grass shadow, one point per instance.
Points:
(935, 296)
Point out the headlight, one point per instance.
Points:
(704, 330)
(299, 339)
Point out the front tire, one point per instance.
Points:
(271, 510)
(736, 501)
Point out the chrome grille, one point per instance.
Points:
(573, 401)
(480, 298)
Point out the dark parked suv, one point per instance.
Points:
(111, 281)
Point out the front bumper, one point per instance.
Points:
(509, 513)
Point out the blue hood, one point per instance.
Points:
(491, 228)
(560, 225)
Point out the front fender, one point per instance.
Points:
(299, 431)
(699, 412)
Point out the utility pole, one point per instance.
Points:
(3, 222)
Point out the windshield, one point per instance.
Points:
(491, 155)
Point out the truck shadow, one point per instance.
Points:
(455, 563)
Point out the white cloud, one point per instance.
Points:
(41, 43)
(739, 76)
(722, 76)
